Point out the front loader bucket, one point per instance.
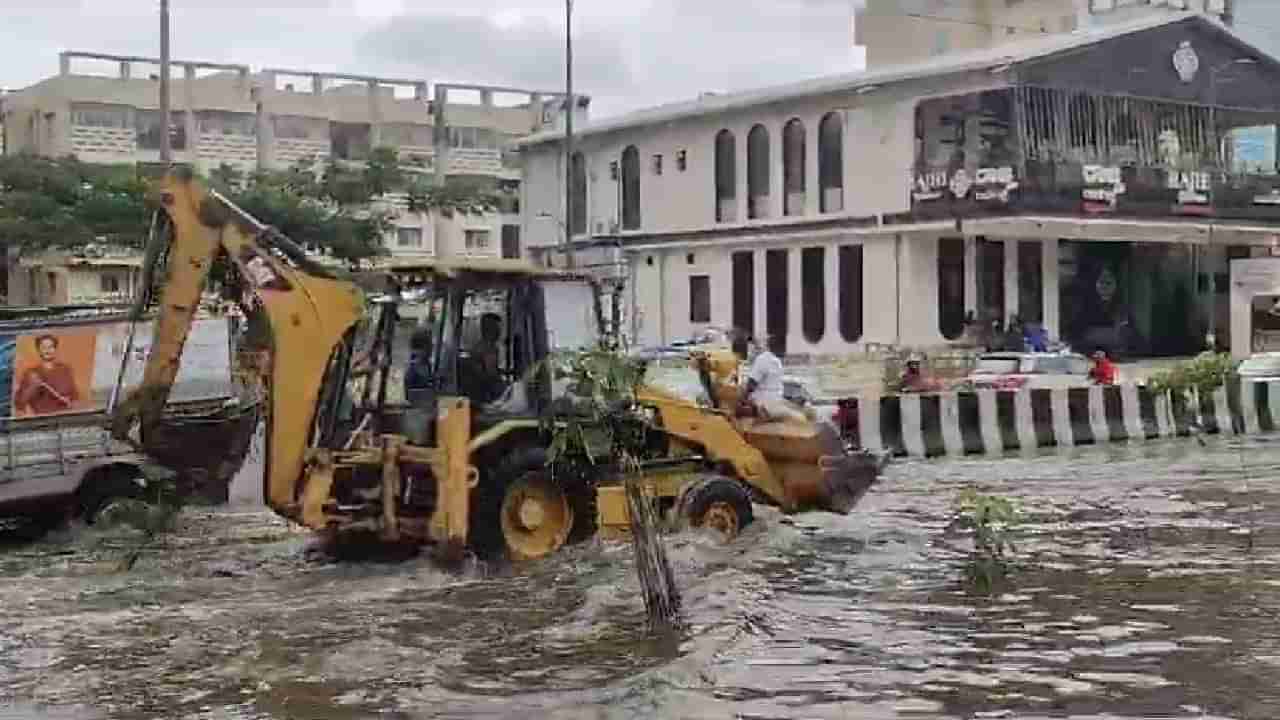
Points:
(818, 472)
(846, 478)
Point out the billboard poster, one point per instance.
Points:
(204, 373)
(53, 371)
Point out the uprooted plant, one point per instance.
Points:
(598, 417)
(989, 517)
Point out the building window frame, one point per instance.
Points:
(726, 176)
(700, 299)
(630, 177)
(793, 167)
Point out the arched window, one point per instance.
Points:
(758, 172)
(726, 177)
(793, 167)
(631, 188)
(951, 287)
(578, 221)
(831, 163)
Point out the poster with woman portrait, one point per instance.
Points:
(52, 372)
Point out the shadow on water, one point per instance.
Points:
(1145, 586)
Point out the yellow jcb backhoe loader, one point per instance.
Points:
(460, 460)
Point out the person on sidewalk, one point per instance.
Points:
(1103, 371)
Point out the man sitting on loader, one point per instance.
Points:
(764, 384)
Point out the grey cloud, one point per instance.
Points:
(529, 54)
(673, 51)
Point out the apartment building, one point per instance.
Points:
(273, 118)
(898, 31)
(1098, 183)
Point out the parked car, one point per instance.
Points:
(1260, 367)
(1017, 371)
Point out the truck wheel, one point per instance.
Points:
(519, 510)
(98, 489)
(719, 503)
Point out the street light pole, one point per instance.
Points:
(166, 153)
(568, 132)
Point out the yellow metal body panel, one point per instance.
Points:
(715, 432)
(308, 315)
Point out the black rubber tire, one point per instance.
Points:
(486, 501)
(711, 489)
(98, 489)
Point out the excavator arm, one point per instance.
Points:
(310, 315)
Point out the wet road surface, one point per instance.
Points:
(1147, 586)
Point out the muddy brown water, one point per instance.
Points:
(1148, 587)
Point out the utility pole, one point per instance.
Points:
(166, 153)
(568, 132)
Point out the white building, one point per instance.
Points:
(1077, 180)
(899, 31)
(226, 114)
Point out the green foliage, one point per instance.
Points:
(1204, 373)
(453, 198)
(56, 203)
(52, 203)
(988, 517)
(598, 415)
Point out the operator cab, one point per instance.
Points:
(481, 332)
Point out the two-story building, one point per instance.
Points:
(227, 114)
(1096, 182)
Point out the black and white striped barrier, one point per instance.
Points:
(998, 421)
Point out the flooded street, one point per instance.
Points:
(1138, 593)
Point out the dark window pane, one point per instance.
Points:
(813, 294)
(699, 299)
(951, 287)
(851, 293)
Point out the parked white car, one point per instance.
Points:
(1017, 371)
(1260, 367)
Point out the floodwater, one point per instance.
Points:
(1147, 586)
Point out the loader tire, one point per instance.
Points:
(519, 470)
(719, 503)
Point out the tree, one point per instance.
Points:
(50, 203)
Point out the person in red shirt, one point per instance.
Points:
(1103, 371)
(49, 387)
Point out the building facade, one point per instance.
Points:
(899, 31)
(1096, 182)
(228, 115)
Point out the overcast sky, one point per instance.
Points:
(627, 54)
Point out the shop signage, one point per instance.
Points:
(990, 184)
(1193, 190)
(1102, 187)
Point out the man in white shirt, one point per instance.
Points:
(764, 384)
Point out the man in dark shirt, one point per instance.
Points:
(49, 387)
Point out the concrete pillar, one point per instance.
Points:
(812, 192)
(64, 64)
(189, 124)
(761, 294)
(831, 270)
(1011, 299)
(1049, 266)
(420, 91)
(243, 78)
(125, 69)
(970, 275)
(375, 115)
(266, 134)
(486, 99)
(440, 138)
(795, 305)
